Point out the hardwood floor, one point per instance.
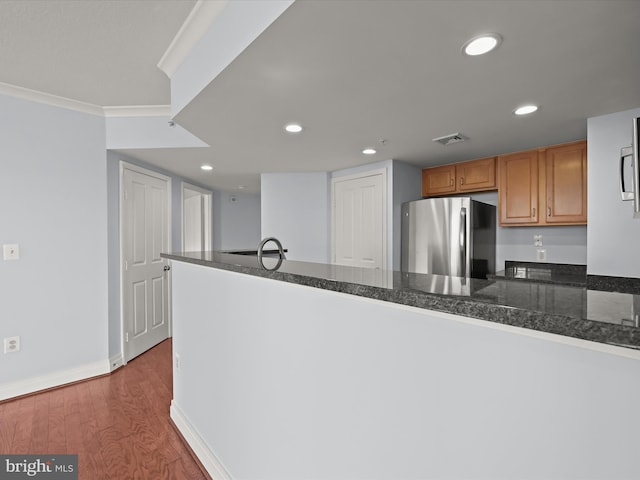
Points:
(118, 424)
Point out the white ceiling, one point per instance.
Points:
(352, 72)
(103, 52)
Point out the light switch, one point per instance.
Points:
(11, 251)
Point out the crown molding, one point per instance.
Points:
(49, 99)
(138, 111)
(84, 107)
(194, 27)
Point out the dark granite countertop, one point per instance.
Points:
(569, 310)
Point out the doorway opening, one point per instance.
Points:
(196, 218)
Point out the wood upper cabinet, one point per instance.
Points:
(518, 188)
(566, 183)
(473, 176)
(476, 175)
(546, 186)
(439, 180)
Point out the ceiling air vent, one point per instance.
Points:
(451, 138)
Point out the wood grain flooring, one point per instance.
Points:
(117, 424)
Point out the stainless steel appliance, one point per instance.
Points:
(632, 154)
(449, 236)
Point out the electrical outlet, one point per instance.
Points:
(11, 251)
(11, 344)
(177, 361)
(537, 240)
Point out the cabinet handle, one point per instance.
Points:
(461, 180)
(534, 212)
(548, 211)
(451, 182)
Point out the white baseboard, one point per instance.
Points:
(115, 362)
(208, 459)
(55, 379)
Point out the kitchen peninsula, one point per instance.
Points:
(322, 371)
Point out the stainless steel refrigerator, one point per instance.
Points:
(453, 236)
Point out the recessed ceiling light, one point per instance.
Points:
(525, 109)
(206, 167)
(368, 151)
(482, 44)
(293, 128)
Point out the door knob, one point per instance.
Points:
(167, 268)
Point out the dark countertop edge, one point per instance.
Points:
(568, 283)
(613, 284)
(564, 325)
(252, 252)
(573, 268)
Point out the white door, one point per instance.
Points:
(196, 219)
(145, 281)
(359, 220)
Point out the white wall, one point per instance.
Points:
(148, 132)
(565, 244)
(407, 186)
(236, 26)
(298, 206)
(53, 203)
(236, 222)
(295, 210)
(613, 234)
(306, 383)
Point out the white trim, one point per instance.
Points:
(115, 362)
(137, 111)
(49, 99)
(84, 107)
(191, 186)
(385, 220)
(209, 200)
(209, 460)
(55, 379)
(194, 27)
(145, 171)
(135, 168)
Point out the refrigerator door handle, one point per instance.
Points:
(463, 241)
(624, 153)
(635, 159)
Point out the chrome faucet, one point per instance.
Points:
(280, 251)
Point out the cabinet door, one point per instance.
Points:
(477, 175)
(566, 184)
(438, 180)
(518, 188)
